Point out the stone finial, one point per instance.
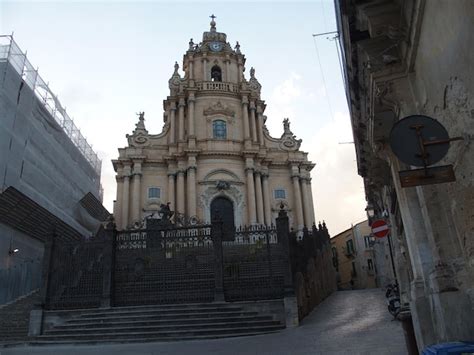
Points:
(237, 47)
(213, 23)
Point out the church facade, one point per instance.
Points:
(214, 156)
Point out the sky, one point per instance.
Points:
(108, 60)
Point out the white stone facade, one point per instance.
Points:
(214, 143)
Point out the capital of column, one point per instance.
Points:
(249, 169)
(171, 174)
(192, 168)
(181, 102)
(245, 100)
(252, 105)
(181, 171)
(295, 176)
(119, 178)
(265, 175)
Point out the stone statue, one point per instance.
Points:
(176, 67)
(237, 47)
(252, 72)
(166, 212)
(191, 45)
(286, 125)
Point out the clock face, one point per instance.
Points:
(215, 46)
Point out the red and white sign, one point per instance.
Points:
(380, 228)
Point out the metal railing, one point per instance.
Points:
(11, 53)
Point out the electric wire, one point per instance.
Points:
(324, 80)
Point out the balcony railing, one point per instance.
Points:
(217, 86)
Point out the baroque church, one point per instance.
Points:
(214, 156)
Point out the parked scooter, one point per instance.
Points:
(393, 299)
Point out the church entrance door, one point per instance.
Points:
(222, 208)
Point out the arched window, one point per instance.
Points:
(216, 73)
(219, 129)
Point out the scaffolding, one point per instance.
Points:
(10, 52)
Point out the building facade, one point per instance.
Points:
(214, 156)
(354, 257)
(405, 58)
(49, 175)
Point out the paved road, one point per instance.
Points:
(348, 322)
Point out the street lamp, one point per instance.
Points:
(370, 211)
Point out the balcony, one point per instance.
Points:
(217, 86)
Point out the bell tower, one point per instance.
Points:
(214, 147)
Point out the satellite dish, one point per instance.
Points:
(419, 140)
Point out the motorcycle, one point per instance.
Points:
(393, 299)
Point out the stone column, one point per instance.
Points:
(171, 190)
(191, 100)
(259, 198)
(119, 200)
(252, 218)
(240, 70)
(260, 125)
(125, 200)
(172, 139)
(191, 67)
(266, 200)
(299, 223)
(137, 174)
(227, 69)
(191, 186)
(253, 121)
(311, 203)
(304, 182)
(204, 69)
(180, 192)
(245, 118)
(181, 119)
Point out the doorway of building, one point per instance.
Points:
(222, 208)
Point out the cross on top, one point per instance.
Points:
(213, 17)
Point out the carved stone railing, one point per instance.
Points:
(217, 86)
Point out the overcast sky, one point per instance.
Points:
(108, 60)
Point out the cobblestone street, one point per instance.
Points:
(348, 322)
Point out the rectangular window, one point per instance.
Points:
(349, 247)
(370, 264)
(280, 194)
(367, 241)
(154, 192)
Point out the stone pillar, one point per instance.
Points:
(125, 200)
(204, 69)
(260, 125)
(137, 174)
(171, 190)
(240, 70)
(311, 203)
(306, 194)
(191, 185)
(252, 218)
(245, 118)
(180, 192)
(298, 206)
(266, 200)
(259, 198)
(119, 199)
(181, 119)
(227, 68)
(191, 67)
(253, 121)
(172, 138)
(191, 100)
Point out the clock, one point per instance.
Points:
(215, 46)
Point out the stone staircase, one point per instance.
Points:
(14, 318)
(162, 323)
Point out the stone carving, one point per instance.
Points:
(139, 137)
(175, 80)
(219, 108)
(237, 48)
(254, 85)
(222, 185)
(191, 45)
(288, 140)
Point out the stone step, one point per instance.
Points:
(118, 339)
(181, 334)
(76, 323)
(161, 327)
(157, 316)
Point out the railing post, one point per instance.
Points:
(216, 231)
(108, 250)
(291, 304)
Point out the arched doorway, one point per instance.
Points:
(222, 208)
